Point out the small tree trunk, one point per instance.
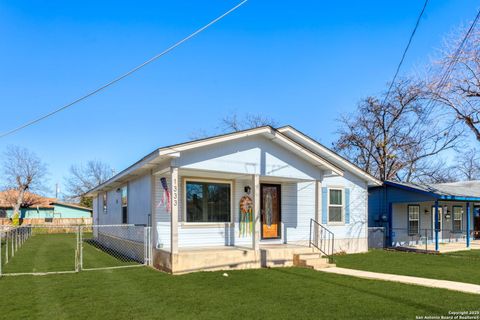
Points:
(18, 204)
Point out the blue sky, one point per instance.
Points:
(303, 63)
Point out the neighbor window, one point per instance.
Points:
(335, 205)
(104, 202)
(124, 204)
(207, 201)
(3, 213)
(413, 220)
(457, 219)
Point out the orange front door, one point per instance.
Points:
(270, 206)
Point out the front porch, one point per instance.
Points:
(268, 220)
(435, 226)
(228, 258)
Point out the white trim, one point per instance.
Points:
(332, 154)
(151, 160)
(308, 153)
(342, 206)
(453, 218)
(212, 140)
(184, 199)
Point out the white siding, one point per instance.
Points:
(139, 200)
(114, 207)
(251, 155)
(298, 207)
(162, 217)
(95, 209)
(358, 226)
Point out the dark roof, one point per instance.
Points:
(462, 190)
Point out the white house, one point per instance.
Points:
(241, 200)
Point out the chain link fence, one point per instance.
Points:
(38, 250)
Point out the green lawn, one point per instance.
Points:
(289, 293)
(56, 252)
(144, 293)
(463, 266)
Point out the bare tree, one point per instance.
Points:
(84, 177)
(460, 90)
(22, 171)
(397, 139)
(234, 122)
(468, 165)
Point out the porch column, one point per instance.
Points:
(468, 225)
(436, 225)
(256, 213)
(174, 213)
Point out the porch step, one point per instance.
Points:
(312, 261)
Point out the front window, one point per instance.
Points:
(124, 192)
(335, 206)
(457, 219)
(207, 201)
(413, 220)
(104, 203)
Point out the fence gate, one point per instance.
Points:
(39, 250)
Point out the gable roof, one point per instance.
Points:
(173, 151)
(460, 191)
(328, 154)
(8, 199)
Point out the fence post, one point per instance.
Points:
(6, 246)
(79, 249)
(13, 243)
(145, 249)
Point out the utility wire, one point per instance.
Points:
(405, 51)
(448, 71)
(103, 87)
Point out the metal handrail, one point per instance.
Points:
(323, 239)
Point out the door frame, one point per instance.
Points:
(279, 227)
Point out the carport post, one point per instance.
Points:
(468, 224)
(436, 225)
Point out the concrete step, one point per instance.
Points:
(312, 261)
(307, 256)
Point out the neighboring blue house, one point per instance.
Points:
(415, 214)
(43, 208)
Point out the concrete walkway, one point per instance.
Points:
(433, 283)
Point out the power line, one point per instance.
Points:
(405, 51)
(103, 87)
(448, 71)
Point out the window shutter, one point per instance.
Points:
(324, 204)
(347, 205)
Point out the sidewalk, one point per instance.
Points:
(433, 283)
